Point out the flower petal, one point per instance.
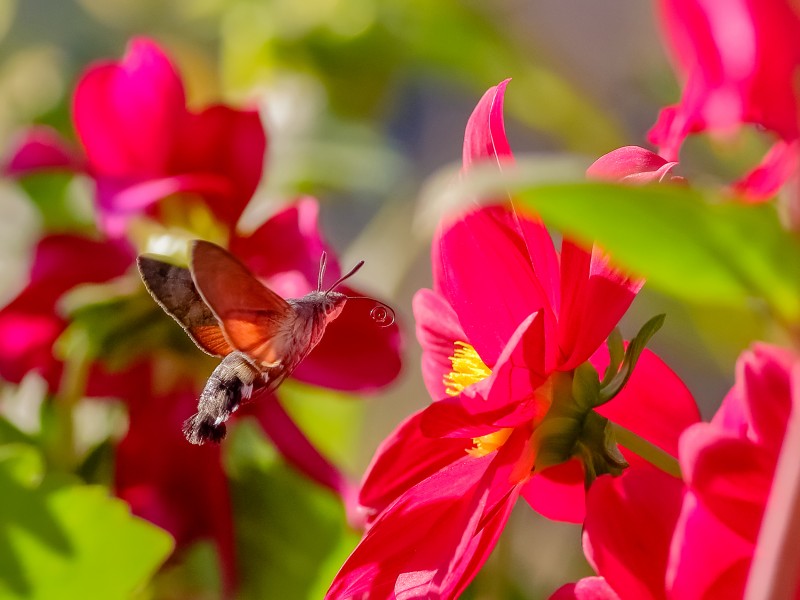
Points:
(127, 114)
(414, 539)
(630, 164)
(485, 135)
(558, 492)
(290, 240)
(484, 268)
(42, 148)
(655, 404)
(594, 296)
(628, 527)
(588, 588)
(405, 458)
(438, 330)
(776, 168)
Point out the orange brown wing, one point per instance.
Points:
(173, 289)
(254, 319)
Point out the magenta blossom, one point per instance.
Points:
(632, 165)
(142, 144)
(506, 325)
(654, 536)
(739, 61)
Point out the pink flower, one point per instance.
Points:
(30, 324)
(141, 143)
(506, 325)
(739, 61)
(652, 536)
(634, 165)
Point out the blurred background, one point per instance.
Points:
(365, 104)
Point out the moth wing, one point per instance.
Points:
(173, 290)
(254, 319)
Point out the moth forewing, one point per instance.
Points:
(173, 289)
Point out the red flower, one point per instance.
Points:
(30, 324)
(508, 321)
(142, 144)
(632, 164)
(652, 536)
(740, 62)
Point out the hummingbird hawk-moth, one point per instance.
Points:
(227, 312)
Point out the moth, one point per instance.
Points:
(227, 312)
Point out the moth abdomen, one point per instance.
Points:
(229, 385)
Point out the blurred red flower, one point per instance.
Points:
(739, 61)
(141, 143)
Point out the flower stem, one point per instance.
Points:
(71, 390)
(646, 450)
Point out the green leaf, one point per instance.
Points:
(291, 534)
(632, 353)
(59, 540)
(616, 354)
(331, 420)
(684, 243)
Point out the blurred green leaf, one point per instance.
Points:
(69, 541)
(59, 201)
(681, 240)
(331, 420)
(291, 534)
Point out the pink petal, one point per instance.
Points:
(761, 373)
(776, 168)
(404, 459)
(229, 143)
(120, 199)
(594, 296)
(655, 404)
(774, 571)
(414, 539)
(290, 240)
(707, 560)
(628, 527)
(484, 268)
(485, 136)
(729, 475)
(630, 164)
(127, 114)
(437, 331)
(42, 148)
(29, 325)
(588, 588)
(558, 492)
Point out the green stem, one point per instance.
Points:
(71, 390)
(650, 452)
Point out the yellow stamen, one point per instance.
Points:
(490, 442)
(468, 368)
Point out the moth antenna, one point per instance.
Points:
(343, 277)
(323, 262)
(379, 313)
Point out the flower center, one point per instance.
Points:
(490, 442)
(468, 368)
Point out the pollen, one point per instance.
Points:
(468, 368)
(489, 443)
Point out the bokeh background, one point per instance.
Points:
(365, 103)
